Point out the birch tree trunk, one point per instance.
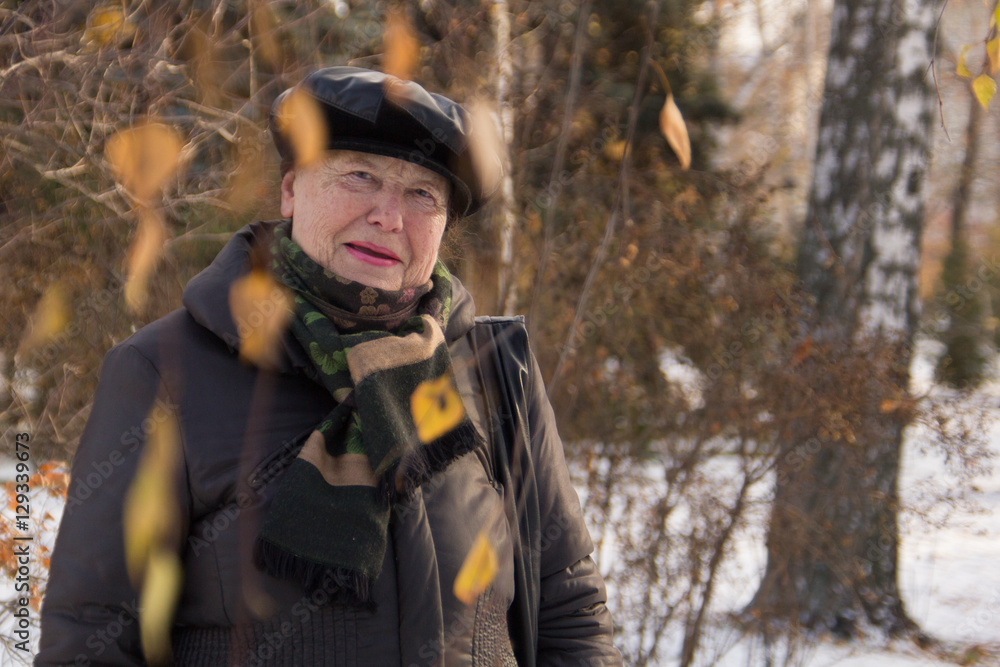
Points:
(507, 293)
(833, 540)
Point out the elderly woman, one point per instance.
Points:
(322, 523)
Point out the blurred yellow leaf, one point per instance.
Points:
(594, 26)
(301, 120)
(107, 25)
(205, 64)
(402, 49)
(436, 407)
(961, 69)
(160, 591)
(147, 245)
(143, 157)
(984, 87)
(263, 26)
(261, 308)
(485, 146)
(478, 570)
(673, 128)
(996, 15)
(244, 187)
(49, 319)
(150, 514)
(615, 150)
(993, 52)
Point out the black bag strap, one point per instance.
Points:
(500, 345)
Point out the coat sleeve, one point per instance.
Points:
(90, 612)
(574, 624)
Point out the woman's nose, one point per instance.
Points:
(386, 210)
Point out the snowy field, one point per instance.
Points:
(949, 562)
(950, 566)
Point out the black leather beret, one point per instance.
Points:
(373, 112)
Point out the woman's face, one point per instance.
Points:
(369, 218)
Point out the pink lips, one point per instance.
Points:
(372, 254)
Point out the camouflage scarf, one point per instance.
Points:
(397, 420)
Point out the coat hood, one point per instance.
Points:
(206, 296)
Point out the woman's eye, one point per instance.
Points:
(363, 175)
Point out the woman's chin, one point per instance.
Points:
(377, 277)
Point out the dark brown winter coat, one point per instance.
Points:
(239, 427)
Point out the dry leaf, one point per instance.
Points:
(301, 120)
(150, 514)
(54, 475)
(244, 187)
(993, 52)
(160, 591)
(402, 49)
(486, 147)
(802, 351)
(673, 128)
(261, 309)
(436, 407)
(263, 26)
(206, 68)
(984, 87)
(145, 251)
(888, 405)
(897, 405)
(143, 157)
(49, 319)
(961, 69)
(107, 25)
(615, 150)
(477, 572)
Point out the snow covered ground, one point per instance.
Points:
(949, 558)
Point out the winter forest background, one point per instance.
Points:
(756, 243)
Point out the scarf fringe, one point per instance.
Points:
(421, 463)
(343, 584)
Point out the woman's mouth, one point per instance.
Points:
(372, 254)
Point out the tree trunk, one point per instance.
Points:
(833, 540)
(963, 363)
(507, 291)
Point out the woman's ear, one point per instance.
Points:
(288, 194)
